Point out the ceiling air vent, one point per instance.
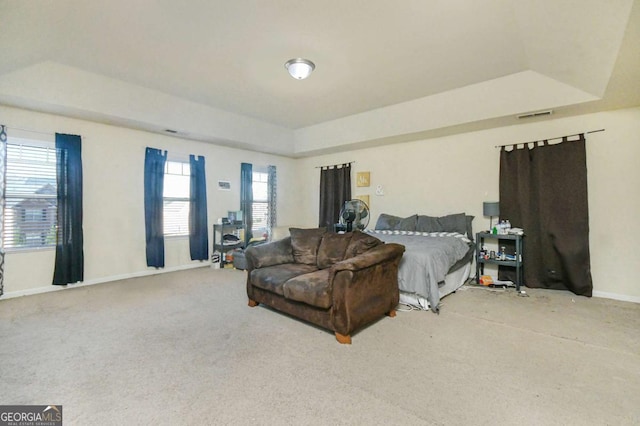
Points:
(535, 114)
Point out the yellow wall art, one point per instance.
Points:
(363, 179)
(364, 198)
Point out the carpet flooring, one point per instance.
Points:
(183, 348)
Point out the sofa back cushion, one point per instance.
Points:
(360, 243)
(332, 248)
(305, 244)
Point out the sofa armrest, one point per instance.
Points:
(378, 254)
(269, 254)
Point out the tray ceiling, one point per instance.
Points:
(144, 63)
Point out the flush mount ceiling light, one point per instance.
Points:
(299, 68)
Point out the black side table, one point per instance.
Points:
(517, 263)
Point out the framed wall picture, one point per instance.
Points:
(364, 198)
(363, 179)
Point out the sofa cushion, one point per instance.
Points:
(313, 288)
(360, 243)
(271, 278)
(305, 243)
(332, 248)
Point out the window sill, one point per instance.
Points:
(176, 237)
(20, 250)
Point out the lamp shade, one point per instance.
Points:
(299, 68)
(491, 208)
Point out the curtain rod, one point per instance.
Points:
(41, 133)
(28, 130)
(549, 139)
(335, 165)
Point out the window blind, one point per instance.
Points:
(31, 196)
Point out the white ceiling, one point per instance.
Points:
(212, 68)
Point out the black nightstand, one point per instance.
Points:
(517, 263)
(219, 243)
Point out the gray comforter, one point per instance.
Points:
(426, 261)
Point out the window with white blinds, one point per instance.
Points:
(30, 194)
(176, 198)
(260, 202)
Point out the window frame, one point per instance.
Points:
(261, 173)
(184, 165)
(18, 140)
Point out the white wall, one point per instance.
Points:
(457, 173)
(113, 166)
(435, 177)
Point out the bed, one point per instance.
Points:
(438, 256)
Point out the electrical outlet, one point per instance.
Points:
(379, 190)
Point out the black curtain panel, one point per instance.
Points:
(198, 227)
(69, 263)
(335, 189)
(544, 191)
(154, 162)
(246, 199)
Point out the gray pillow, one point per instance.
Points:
(453, 223)
(408, 223)
(387, 222)
(427, 224)
(458, 222)
(470, 227)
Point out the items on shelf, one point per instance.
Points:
(215, 259)
(501, 228)
(489, 281)
(504, 228)
(228, 240)
(501, 257)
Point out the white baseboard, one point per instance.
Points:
(615, 296)
(50, 288)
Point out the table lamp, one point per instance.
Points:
(491, 209)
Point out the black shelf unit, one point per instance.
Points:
(219, 231)
(519, 253)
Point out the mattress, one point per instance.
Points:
(452, 282)
(427, 260)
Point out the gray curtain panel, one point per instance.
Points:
(272, 217)
(246, 199)
(3, 174)
(544, 191)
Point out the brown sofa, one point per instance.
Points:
(340, 282)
